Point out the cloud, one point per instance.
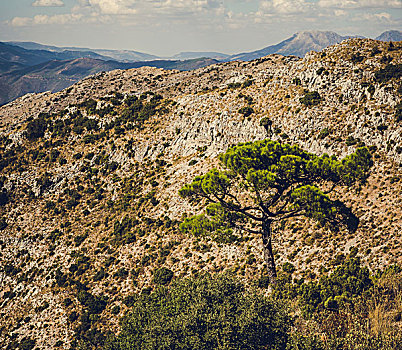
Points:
(284, 7)
(355, 4)
(46, 3)
(45, 19)
(340, 13)
(129, 12)
(379, 17)
(112, 7)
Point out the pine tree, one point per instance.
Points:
(265, 182)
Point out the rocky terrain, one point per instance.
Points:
(90, 178)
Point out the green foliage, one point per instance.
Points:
(137, 111)
(204, 313)
(89, 105)
(162, 276)
(36, 128)
(3, 224)
(311, 98)
(27, 343)
(322, 70)
(234, 85)
(266, 122)
(4, 197)
(324, 133)
(247, 83)
(348, 282)
(123, 231)
(246, 111)
(389, 72)
(356, 58)
(93, 304)
(398, 112)
(276, 181)
(297, 81)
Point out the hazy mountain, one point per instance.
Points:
(297, 45)
(390, 35)
(57, 75)
(118, 55)
(191, 55)
(15, 57)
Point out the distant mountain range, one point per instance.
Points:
(297, 45)
(57, 75)
(31, 67)
(391, 35)
(117, 55)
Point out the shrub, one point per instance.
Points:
(163, 276)
(234, 85)
(4, 197)
(265, 122)
(388, 72)
(204, 313)
(27, 343)
(248, 83)
(297, 81)
(356, 58)
(311, 98)
(398, 112)
(324, 133)
(3, 224)
(94, 304)
(36, 129)
(246, 111)
(347, 282)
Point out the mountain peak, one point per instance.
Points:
(390, 35)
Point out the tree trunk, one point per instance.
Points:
(267, 249)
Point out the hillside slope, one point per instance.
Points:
(90, 179)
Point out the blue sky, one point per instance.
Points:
(165, 27)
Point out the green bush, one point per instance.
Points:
(266, 122)
(348, 282)
(27, 343)
(36, 129)
(311, 98)
(204, 313)
(297, 81)
(3, 224)
(398, 112)
(388, 72)
(93, 304)
(246, 111)
(162, 276)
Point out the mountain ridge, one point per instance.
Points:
(57, 75)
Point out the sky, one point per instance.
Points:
(166, 27)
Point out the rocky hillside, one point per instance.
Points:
(90, 179)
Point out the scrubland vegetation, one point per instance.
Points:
(224, 213)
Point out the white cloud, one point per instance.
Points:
(340, 13)
(355, 4)
(21, 21)
(285, 7)
(46, 3)
(129, 12)
(379, 17)
(113, 7)
(45, 19)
